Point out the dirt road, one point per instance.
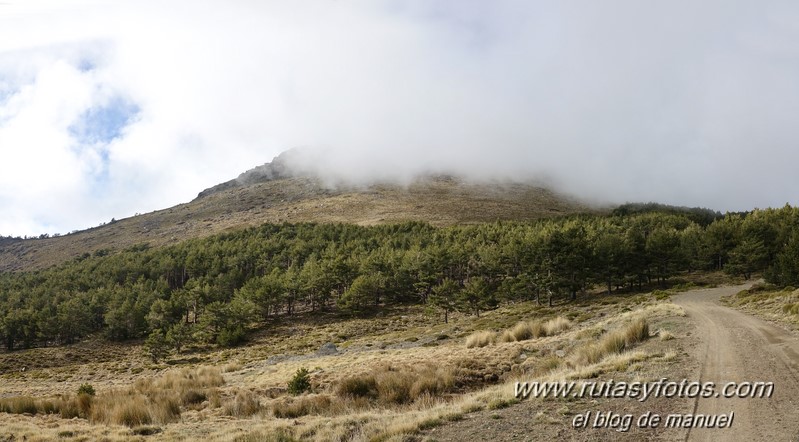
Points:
(737, 347)
(723, 345)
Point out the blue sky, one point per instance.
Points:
(103, 123)
(108, 108)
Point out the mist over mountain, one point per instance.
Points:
(678, 102)
(332, 170)
(286, 190)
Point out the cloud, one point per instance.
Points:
(110, 108)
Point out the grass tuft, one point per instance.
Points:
(244, 404)
(480, 339)
(398, 386)
(612, 343)
(131, 412)
(293, 408)
(556, 325)
(522, 331)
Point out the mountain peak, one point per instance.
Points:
(277, 169)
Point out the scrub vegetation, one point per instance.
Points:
(216, 291)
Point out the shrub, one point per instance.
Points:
(156, 345)
(231, 336)
(300, 383)
(661, 295)
(86, 389)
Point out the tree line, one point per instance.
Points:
(213, 290)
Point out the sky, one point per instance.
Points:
(110, 108)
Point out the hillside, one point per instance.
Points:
(272, 193)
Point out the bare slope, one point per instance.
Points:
(260, 195)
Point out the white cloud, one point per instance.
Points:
(680, 102)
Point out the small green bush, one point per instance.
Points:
(86, 389)
(231, 336)
(661, 295)
(300, 383)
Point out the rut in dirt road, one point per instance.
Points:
(737, 347)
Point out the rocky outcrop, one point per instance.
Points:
(275, 170)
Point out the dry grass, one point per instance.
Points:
(403, 391)
(291, 408)
(146, 401)
(522, 331)
(527, 330)
(129, 411)
(556, 326)
(243, 405)
(395, 386)
(614, 362)
(481, 339)
(665, 335)
(791, 308)
(769, 302)
(131, 408)
(612, 343)
(20, 405)
(233, 366)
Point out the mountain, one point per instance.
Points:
(274, 193)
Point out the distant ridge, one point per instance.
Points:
(272, 193)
